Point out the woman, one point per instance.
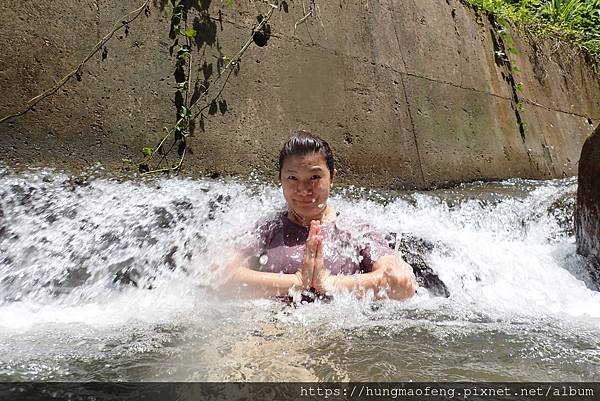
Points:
(306, 248)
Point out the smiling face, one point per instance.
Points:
(306, 183)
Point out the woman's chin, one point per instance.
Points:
(309, 212)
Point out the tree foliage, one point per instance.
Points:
(577, 20)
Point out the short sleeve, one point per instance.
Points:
(262, 235)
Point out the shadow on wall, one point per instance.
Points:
(199, 5)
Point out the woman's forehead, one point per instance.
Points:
(310, 161)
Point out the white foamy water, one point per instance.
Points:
(102, 279)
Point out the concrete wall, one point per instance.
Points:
(409, 94)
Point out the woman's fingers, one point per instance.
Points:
(402, 285)
(319, 249)
(313, 233)
(321, 277)
(306, 270)
(311, 256)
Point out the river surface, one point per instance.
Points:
(105, 279)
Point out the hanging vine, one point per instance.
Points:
(188, 109)
(123, 22)
(181, 131)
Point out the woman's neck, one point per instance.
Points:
(325, 217)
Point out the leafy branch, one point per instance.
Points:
(185, 117)
(313, 10)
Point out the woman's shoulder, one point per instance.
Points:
(360, 229)
(270, 224)
(356, 224)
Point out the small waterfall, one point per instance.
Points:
(108, 272)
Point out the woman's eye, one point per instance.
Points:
(291, 177)
(315, 177)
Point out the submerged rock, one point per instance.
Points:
(217, 205)
(587, 214)
(563, 212)
(3, 229)
(414, 251)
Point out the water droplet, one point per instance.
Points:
(263, 259)
(321, 205)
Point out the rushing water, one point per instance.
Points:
(71, 249)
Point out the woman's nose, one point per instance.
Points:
(304, 187)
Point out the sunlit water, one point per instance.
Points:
(521, 304)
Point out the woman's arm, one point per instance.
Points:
(245, 282)
(388, 278)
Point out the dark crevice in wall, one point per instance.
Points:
(503, 61)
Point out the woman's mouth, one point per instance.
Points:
(306, 201)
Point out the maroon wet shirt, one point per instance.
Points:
(348, 247)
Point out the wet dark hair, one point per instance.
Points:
(302, 143)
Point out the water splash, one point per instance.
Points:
(122, 265)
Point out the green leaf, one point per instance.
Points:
(185, 112)
(190, 33)
(230, 3)
(148, 151)
(183, 52)
(519, 87)
(520, 106)
(128, 161)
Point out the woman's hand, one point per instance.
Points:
(397, 278)
(322, 281)
(305, 272)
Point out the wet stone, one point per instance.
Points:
(73, 183)
(169, 260)
(3, 229)
(563, 212)
(415, 251)
(107, 239)
(127, 277)
(23, 195)
(218, 205)
(184, 209)
(587, 215)
(164, 219)
(51, 218)
(69, 213)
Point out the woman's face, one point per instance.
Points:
(306, 183)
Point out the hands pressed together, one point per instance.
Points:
(395, 279)
(312, 273)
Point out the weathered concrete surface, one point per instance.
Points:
(587, 213)
(409, 94)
